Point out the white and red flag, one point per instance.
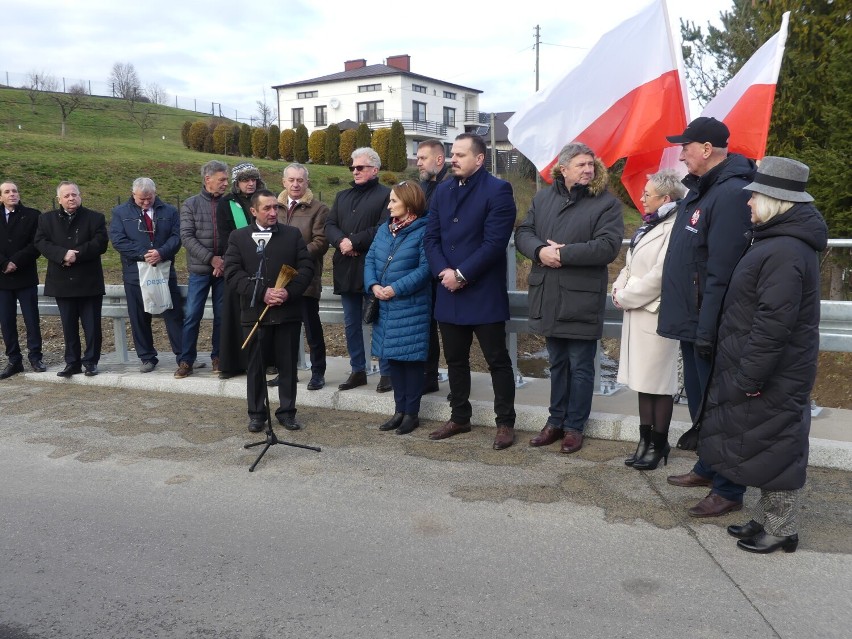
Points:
(622, 100)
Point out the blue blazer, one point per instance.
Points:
(132, 242)
(468, 229)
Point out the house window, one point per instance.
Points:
(418, 88)
(449, 116)
(366, 88)
(449, 95)
(298, 117)
(418, 110)
(371, 111)
(303, 95)
(320, 116)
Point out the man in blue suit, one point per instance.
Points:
(146, 229)
(470, 222)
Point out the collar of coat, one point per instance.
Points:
(305, 200)
(598, 184)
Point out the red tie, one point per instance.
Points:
(148, 224)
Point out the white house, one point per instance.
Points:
(378, 94)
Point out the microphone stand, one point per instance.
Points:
(271, 437)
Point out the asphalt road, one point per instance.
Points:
(126, 514)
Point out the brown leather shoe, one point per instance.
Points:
(449, 429)
(714, 505)
(505, 437)
(354, 381)
(548, 435)
(689, 480)
(572, 442)
(184, 370)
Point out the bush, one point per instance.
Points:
(197, 134)
(208, 143)
(259, 142)
(348, 143)
(272, 151)
(389, 178)
(397, 159)
(222, 139)
(363, 136)
(333, 180)
(184, 133)
(381, 138)
(316, 146)
(245, 140)
(332, 145)
(300, 144)
(235, 140)
(285, 144)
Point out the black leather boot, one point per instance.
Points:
(658, 449)
(409, 423)
(642, 446)
(393, 422)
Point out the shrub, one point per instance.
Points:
(389, 178)
(259, 142)
(363, 136)
(316, 146)
(184, 133)
(300, 144)
(222, 139)
(332, 145)
(208, 143)
(235, 140)
(285, 144)
(397, 158)
(348, 143)
(272, 151)
(197, 133)
(381, 138)
(333, 180)
(245, 140)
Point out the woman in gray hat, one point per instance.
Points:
(756, 415)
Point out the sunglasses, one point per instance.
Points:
(360, 167)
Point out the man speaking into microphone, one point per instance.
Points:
(253, 260)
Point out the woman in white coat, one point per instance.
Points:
(648, 362)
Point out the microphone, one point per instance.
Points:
(260, 239)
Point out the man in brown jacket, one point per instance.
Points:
(301, 210)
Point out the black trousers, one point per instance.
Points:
(273, 345)
(457, 340)
(434, 355)
(85, 311)
(314, 335)
(140, 322)
(28, 299)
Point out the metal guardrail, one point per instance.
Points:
(835, 328)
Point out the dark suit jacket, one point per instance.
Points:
(469, 229)
(241, 261)
(17, 245)
(85, 232)
(132, 243)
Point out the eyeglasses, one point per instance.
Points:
(361, 167)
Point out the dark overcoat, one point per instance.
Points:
(767, 343)
(17, 246)
(468, 229)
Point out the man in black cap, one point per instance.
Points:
(706, 242)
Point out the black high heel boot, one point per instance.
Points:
(393, 422)
(657, 450)
(408, 424)
(642, 446)
(764, 543)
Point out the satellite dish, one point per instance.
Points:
(334, 103)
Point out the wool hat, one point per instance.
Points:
(244, 171)
(703, 130)
(781, 178)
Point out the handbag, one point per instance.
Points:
(371, 308)
(154, 284)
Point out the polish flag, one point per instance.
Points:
(745, 104)
(622, 100)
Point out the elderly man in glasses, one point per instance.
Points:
(350, 228)
(146, 229)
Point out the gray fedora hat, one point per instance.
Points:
(781, 178)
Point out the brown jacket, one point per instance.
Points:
(309, 217)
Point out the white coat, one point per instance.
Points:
(648, 362)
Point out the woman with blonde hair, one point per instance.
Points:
(648, 362)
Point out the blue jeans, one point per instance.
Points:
(353, 304)
(196, 298)
(696, 374)
(721, 486)
(572, 381)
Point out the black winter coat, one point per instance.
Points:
(17, 246)
(85, 232)
(355, 214)
(768, 342)
(241, 261)
(707, 239)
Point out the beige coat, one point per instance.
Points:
(648, 362)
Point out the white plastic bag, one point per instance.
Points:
(154, 282)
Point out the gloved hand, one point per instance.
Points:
(703, 348)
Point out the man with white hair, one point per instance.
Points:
(146, 229)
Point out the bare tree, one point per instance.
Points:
(39, 82)
(142, 113)
(266, 114)
(69, 102)
(124, 80)
(156, 93)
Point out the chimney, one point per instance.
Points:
(351, 65)
(402, 62)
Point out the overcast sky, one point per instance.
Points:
(229, 52)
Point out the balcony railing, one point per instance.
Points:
(412, 126)
(476, 116)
